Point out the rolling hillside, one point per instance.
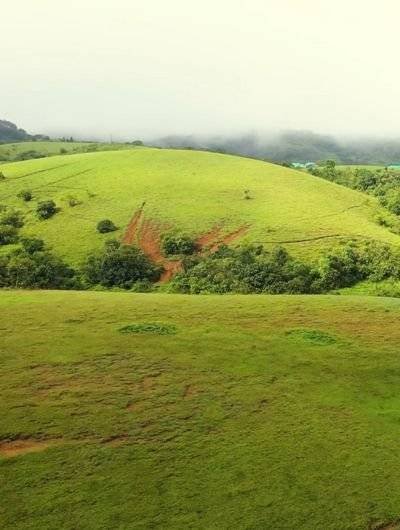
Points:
(14, 151)
(147, 192)
(252, 412)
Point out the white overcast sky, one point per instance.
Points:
(154, 67)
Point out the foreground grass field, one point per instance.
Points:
(247, 412)
(198, 193)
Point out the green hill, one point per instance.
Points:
(39, 149)
(152, 191)
(245, 412)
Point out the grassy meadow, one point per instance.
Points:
(191, 192)
(251, 412)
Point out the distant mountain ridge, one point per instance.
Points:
(294, 146)
(9, 132)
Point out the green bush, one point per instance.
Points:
(34, 267)
(46, 209)
(248, 269)
(40, 270)
(178, 245)
(106, 226)
(25, 195)
(8, 235)
(119, 266)
(252, 269)
(73, 201)
(12, 218)
(32, 244)
(4, 280)
(29, 155)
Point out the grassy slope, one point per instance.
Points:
(191, 191)
(240, 420)
(53, 148)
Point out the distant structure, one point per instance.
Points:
(303, 165)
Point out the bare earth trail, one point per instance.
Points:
(147, 234)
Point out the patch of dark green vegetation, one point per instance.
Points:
(119, 266)
(253, 269)
(155, 328)
(313, 336)
(33, 266)
(246, 269)
(382, 183)
(173, 245)
(105, 226)
(46, 209)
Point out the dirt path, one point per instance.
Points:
(147, 234)
(207, 239)
(131, 231)
(229, 238)
(12, 448)
(212, 240)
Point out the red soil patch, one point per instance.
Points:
(131, 231)
(147, 234)
(150, 243)
(236, 234)
(21, 447)
(208, 238)
(213, 239)
(228, 238)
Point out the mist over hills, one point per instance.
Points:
(294, 146)
(286, 146)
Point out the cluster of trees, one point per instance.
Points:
(383, 183)
(12, 220)
(10, 223)
(173, 245)
(252, 269)
(32, 265)
(9, 132)
(247, 269)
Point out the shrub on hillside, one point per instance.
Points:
(25, 195)
(33, 267)
(29, 155)
(73, 201)
(32, 244)
(12, 218)
(392, 201)
(4, 281)
(106, 226)
(178, 244)
(119, 266)
(252, 269)
(8, 235)
(249, 269)
(46, 209)
(39, 269)
(2, 176)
